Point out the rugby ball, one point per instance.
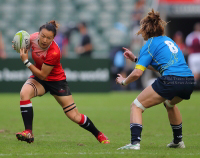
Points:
(21, 40)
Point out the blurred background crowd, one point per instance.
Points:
(98, 29)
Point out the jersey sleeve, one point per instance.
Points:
(52, 58)
(33, 37)
(144, 59)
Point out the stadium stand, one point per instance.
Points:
(104, 18)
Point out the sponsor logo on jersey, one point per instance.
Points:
(54, 53)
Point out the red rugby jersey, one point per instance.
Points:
(49, 56)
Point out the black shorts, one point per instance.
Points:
(59, 88)
(171, 86)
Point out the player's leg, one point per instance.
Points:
(146, 99)
(174, 114)
(69, 107)
(175, 120)
(30, 89)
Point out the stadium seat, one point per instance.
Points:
(101, 16)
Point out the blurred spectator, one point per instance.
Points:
(137, 13)
(136, 40)
(179, 40)
(62, 42)
(85, 47)
(118, 39)
(118, 63)
(2, 51)
(193, 42)
(136, 16)
(63, 37)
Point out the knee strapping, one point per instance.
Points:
(168, 104)
(34, 87)
(138, 104)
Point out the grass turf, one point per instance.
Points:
(57, 136)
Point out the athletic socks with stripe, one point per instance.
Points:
(136, 130)
(27, 113)
(177, 133)
(87, 124)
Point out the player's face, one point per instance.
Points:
(45, 38)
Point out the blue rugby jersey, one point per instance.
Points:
(164, 55)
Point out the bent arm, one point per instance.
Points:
(135, 74)
(43, 73)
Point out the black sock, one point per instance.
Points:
(27, 113)
(136, 130)
(88, 125)
(177, 132)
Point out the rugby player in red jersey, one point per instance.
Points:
(48, 76)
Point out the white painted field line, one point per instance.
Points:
(96, 153)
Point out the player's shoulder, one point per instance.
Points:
(54, 48)
(151, 44)
(147, 44)
(159, 41)
(34, 35)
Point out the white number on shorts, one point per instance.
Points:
(171, 46)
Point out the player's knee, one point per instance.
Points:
(168, 104)
(133, 106)
(137, 104)
(24, 95)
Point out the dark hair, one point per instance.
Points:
(83, 23)
(50, 26)
(152, 25)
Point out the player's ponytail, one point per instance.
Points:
(151, 25)
(54, 23)
(50, 26)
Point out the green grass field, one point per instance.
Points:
(56, 136)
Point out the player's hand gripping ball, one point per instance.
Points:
(21, 40)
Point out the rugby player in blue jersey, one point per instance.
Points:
(162, 54)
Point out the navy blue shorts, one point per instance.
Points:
(171, 86)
